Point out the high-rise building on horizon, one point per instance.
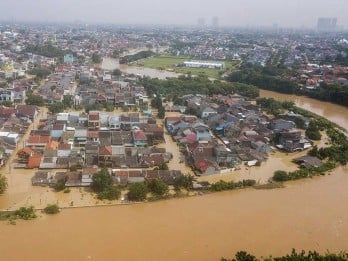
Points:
(201, 22)
(215, 22)
(326, 24)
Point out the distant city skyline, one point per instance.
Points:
(284, 13)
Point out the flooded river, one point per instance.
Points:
(336, 113)
(307, 214)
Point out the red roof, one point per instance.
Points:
(25, 150)
(39, 139)
(53, 145)
(202, 165)
(34, 161)
(105, 150)
(92, 134)
(139, 135)
(64, 146)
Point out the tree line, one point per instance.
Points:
(136, 57)
(196, 85)
(272, 78)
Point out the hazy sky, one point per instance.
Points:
(294, 13)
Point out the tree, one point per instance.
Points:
(117, 72)
(137, 191)
(280, 176)
(163, 166)
(56, 107)
(312, 131)
(60, 185)
(3, 184)
(96, 58)
(158, 187)
(40, 73)
(161, 113)
(67, 101)
(35, 100)
(184, 181)
(25, 213)
(51, 209)
(110, 193)
(101, 181)
(156, 102)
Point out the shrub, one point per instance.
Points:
(110, 193)
(25, 213)
(280, 176)
(137, 191)
(51, 209)
(3, 184)
(158, 187)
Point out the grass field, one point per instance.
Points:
(170, 62)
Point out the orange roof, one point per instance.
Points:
(39, 139)
(25, 150)
(53, 145)
(34, 161)
(105, 150)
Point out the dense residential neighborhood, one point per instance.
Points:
(76, 103)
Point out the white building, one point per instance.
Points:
(204, 64)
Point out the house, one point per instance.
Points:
(206, 167)
(34, 161)
(206, 112)
(38, 141)
(292, 140)
(279, 125)
(57, 130)
(27, 111)
(87, 175)
(92, 136)
(107, 154)
(202, 131)
(10, 138)
(42, 178)
(91, 153)
(201, 150)
(114, 123)
(80, 137)
(63, 150)
(93, 120)
(139, 138)
(24, 154)
(154, 133)
(309, 162)
(224, 156)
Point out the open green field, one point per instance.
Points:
(162, 62)
(170, 62)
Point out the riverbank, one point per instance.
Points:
(195, 228)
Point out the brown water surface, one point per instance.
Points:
(335, 113)
(308, 214)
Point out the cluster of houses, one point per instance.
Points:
(14, 122)
(76, 140)
(228, 130)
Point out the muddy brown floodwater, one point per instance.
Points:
(336, 113)
(308, 214)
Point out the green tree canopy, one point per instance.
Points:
(158, 187)
(101, 181)
(33, 99)
(137, 191)
(3, 184)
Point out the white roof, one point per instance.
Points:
(4, 133)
